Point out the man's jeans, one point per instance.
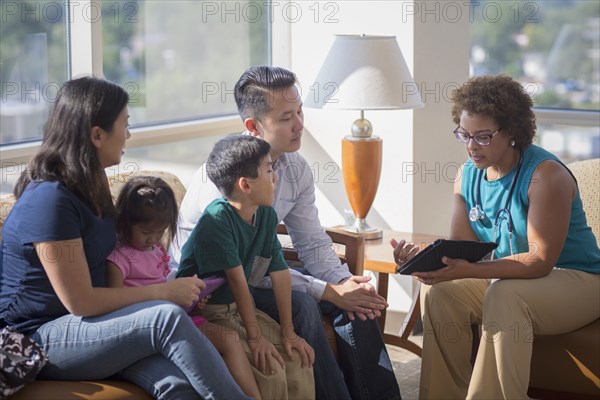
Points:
(152, 344)
(363, 358)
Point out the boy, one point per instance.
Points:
(236, 236)
(269, 104)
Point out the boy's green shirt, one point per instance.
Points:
(222, 240)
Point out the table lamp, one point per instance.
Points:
(363, 72)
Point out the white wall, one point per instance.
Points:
(311, 38)
(419, 157)
(441, 63)
(435, 46)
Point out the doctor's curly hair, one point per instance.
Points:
(501, 98)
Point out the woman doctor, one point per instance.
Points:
(544, 276)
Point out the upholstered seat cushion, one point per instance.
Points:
(569, 362)
(105, 389)
(80, 390)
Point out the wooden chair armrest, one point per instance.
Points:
(354, 248)
(354, 243)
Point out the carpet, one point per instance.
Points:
(407, 367)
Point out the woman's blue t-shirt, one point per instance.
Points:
(580, 250)
(46, 211)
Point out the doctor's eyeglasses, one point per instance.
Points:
(482, 138)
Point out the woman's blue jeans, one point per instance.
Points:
(152, 344)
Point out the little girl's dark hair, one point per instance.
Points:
(146, 200)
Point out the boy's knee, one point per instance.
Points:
(276, 377)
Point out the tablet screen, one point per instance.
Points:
(430, 258)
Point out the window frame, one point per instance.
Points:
(567, 117)
(85, 57)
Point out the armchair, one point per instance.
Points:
(567, 366)
(349, 246)
(100, 389)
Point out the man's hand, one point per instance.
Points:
(355, 295)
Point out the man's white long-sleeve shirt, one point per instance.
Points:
(295, 205)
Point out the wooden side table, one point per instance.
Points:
(379, 258)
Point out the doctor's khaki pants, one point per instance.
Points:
(510, 311)
(293, 382)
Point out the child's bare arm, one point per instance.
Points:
(114, 276)
(265, 354)
(282, 287)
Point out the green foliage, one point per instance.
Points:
(552, 99)
(565, 33)
(20, 21)
(182, 61)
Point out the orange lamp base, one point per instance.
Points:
(361, 168)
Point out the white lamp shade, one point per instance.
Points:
(364, 73)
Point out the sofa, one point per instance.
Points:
(349, 245)
(92, 390)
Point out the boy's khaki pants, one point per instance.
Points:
(510, 311)
(292, 383)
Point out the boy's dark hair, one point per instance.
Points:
(501, 98)
(146, 200)
(235, 157)
(256, 85)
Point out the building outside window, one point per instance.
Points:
(553, 49)
(33, 65)
(178, 60)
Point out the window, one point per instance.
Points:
(33, 65)
(180, 59)
(182, 158)
(553, 49)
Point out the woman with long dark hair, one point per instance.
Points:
(53, 276)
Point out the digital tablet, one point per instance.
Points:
(430, 258)
(212, 283)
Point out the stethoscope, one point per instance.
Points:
(477, 214)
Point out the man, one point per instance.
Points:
(268, 102)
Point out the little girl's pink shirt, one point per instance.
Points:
(141, 268)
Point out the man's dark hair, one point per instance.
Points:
(235, 157)
(255, 87)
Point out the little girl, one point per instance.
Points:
(146, 208)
